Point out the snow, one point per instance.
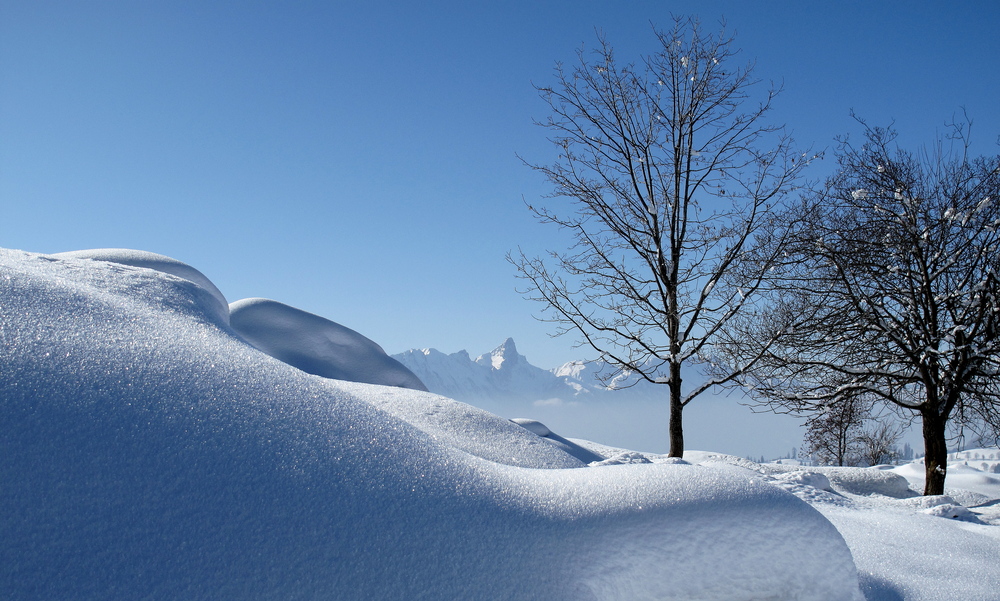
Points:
(963, 475)
(907, 546)
(499, 356)
(151, 451)
(316, 345)
(500, 374)
(147, 260)
(569, 447)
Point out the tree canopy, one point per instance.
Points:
(888, 289)
(665, 173)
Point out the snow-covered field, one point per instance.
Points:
(155, 446)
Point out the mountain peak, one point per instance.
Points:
(506, 353)
(501, 374)
(507, 348)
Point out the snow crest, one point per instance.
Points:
(147, 260)
(316, 345)
(149, 452)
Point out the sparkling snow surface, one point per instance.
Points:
(150, 453)
(148, 260)
(907, 546)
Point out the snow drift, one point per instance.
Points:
(316, 345)
(149, 452)
(147, 260)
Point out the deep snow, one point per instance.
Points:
(316, 345)
(151, 452)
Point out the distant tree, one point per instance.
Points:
(832, 432)
(669, 173)
(888, 288)
(877, 443)
(907, 453)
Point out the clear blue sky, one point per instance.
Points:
(357, 159)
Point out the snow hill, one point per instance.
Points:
(316, 345)
(150, 451)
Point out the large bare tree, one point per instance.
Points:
(665, 173)
(888, 288)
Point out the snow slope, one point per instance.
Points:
(905, 546)
(316, 345)
(912, 547)
(150, 452)
(147, 260)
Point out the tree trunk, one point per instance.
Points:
(676, 413)
(841, 446)
(935, 454)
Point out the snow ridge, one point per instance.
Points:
(149, 452)
(316, 345)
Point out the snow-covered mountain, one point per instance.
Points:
(505, 374)
(501, 374)
(598, 376)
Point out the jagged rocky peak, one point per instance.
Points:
(505, 355)
(505, 374)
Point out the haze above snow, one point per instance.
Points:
(153, 451)
(575, 397)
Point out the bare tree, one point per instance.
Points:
(832, 432)
(888, 288)
(845, 431)
(877, 443)
(665, 174)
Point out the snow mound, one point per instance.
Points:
(931, 505)
(869, 481)
(943, 506)
(149, 453)
(534, 426)
(857, 480)
(811, 487)
(926, 502)
(804, 478)
(961, 479)
(628, 457)
(669, 460)
(467, 428)
(582, 453)
(707, 458)
(954, 512)
(316, 345)
(147, 260)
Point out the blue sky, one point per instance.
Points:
(357, 159)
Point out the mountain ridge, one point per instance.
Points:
(505, 374)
